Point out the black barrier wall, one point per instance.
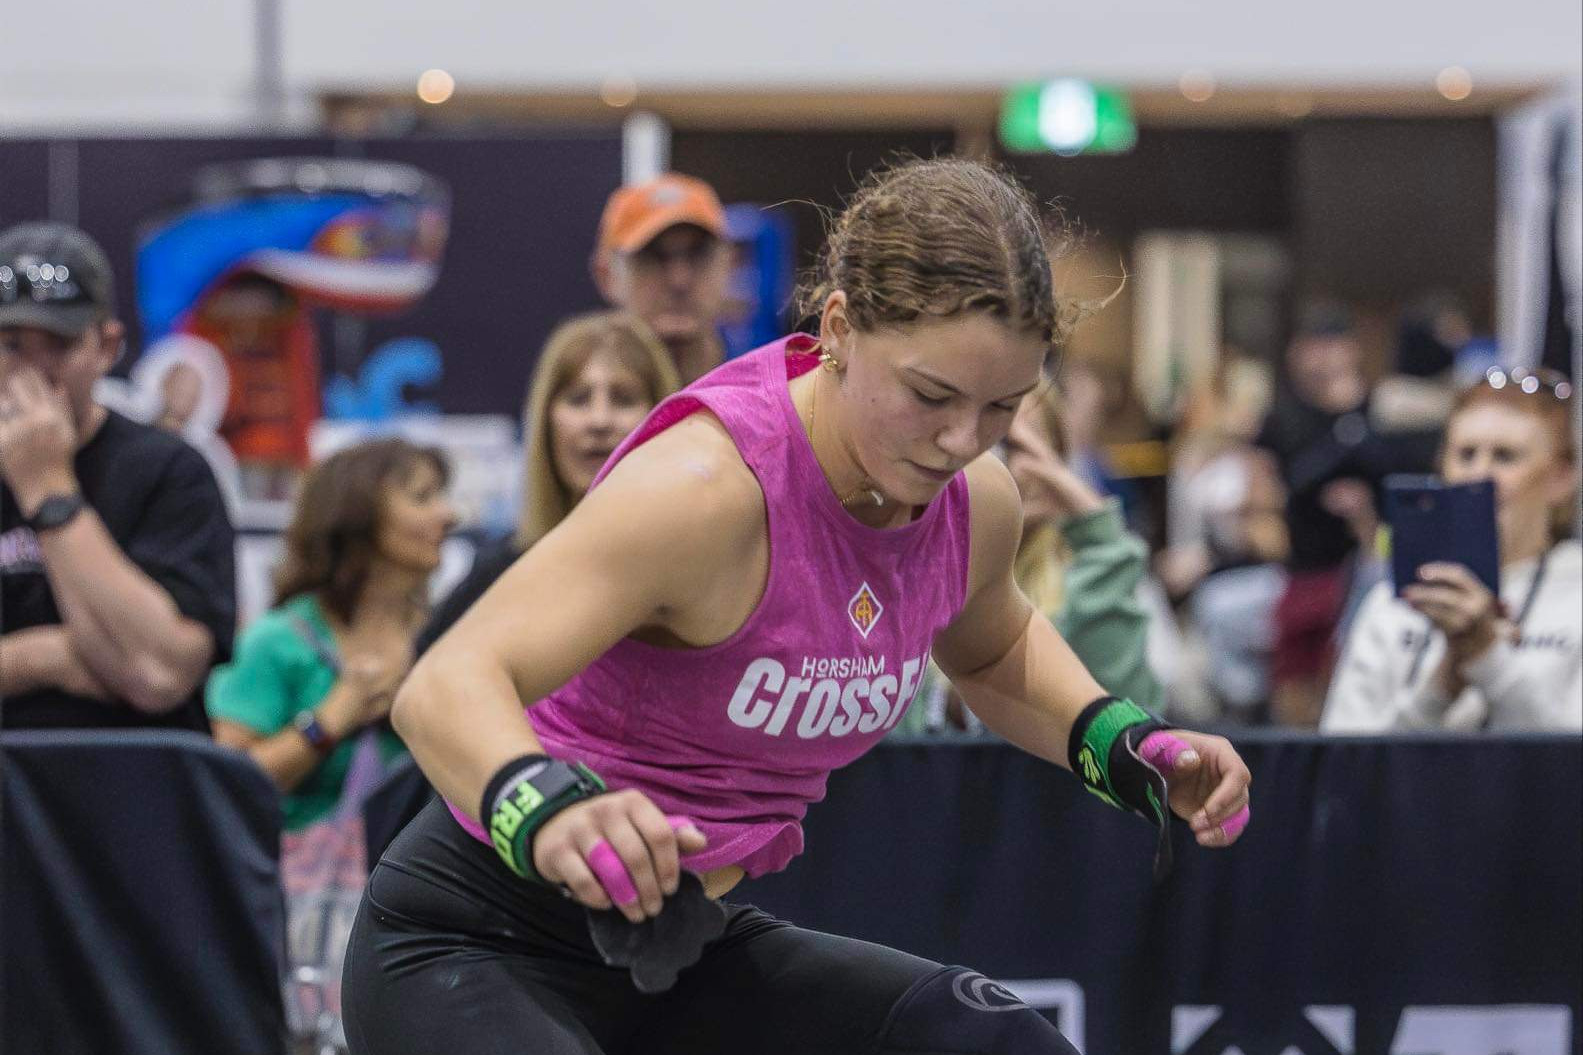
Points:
(1391, 897)
(1410, 896)
(1418, 896)
(140, 912)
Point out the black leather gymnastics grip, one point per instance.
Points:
(658, 949)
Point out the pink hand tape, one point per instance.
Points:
(1236, 822)
(612, 873)
(1161, 749)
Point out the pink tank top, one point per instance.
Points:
(741, 736)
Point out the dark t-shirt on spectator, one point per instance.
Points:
(1313, 448)
(1316, 447)
(160, 503)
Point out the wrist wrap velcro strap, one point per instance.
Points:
(1103, 752)
(524, 794)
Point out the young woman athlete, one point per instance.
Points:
(742, 603)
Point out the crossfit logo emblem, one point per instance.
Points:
(864, 610)
(982, 994)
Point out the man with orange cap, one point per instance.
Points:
(662, 255)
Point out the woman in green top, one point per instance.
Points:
(351, 592)
(1077, 563)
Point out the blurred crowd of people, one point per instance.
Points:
(1265, 603)
(1267, 600)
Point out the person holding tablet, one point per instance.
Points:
(1444, 651)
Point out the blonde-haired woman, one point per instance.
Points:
(597, 378)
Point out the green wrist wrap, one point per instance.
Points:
(523, 795)
(1103, 753)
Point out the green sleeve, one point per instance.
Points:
(255, 689)
(1100, 616)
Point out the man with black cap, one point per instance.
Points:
(117, 567)
(662, 256)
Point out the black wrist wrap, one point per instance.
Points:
(1103, 752)
(524, 794)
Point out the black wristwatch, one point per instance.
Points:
(307, 723)
(55, 511)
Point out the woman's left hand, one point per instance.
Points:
(1453, 598)
(1208, 782)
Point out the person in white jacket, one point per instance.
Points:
(1447, 654)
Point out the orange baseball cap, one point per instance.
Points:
(635, 215)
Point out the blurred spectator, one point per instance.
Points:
(117, 566)
(1418, 393)
(180, 391)
(324, 663)
(1210, 473)
(1433, 333)
(1232, 608)
(180, 384)
(1087, 401)
(1316, 432)
(1077, 563)
(1447, 653)
(1228, 547)
(662, 255)
(597, 378)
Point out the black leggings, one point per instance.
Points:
(451, 952)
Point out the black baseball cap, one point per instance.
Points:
(54, 277)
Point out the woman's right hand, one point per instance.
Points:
(635, 835)
(376, 677)
(370, 676)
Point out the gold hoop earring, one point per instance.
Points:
(828, 361)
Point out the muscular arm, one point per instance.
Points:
(124, 626)
(1016, 673)
(652, 546)
(1008, 663)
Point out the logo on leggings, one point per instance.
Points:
(982, 994)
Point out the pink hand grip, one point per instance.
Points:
(611, 871)
(1236, 822)
(1161, 750)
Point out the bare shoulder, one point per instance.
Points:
(659, 543)
(992, 490)
(689, 484)
(996, 518)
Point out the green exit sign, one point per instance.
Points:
(1067, 116)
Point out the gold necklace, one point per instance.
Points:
(865, 491)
